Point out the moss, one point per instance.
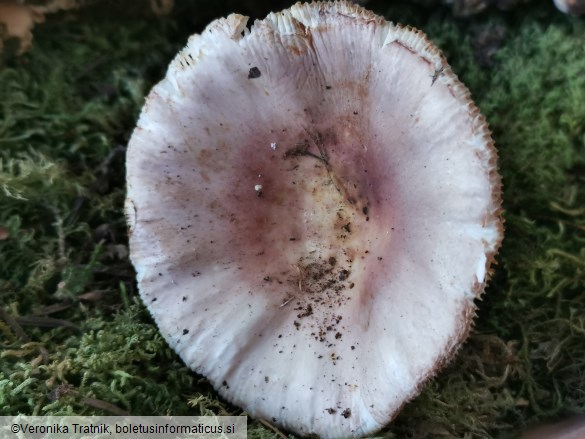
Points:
(66, 111)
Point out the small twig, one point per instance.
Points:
(106, 406)
(286, 302)
(73, 212)
(301, 273)
(60, 234)
(16, 328)
(51, 309)
(68, 389)
(436, 75)
(302, 149)
(46, 322)
(570, 257)
(324, 158)
(92, 296)
(107, 161)
(318, 142)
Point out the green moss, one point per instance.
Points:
(66, 111)
(117, 362)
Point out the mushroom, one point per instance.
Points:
(571, 428)
(314, 206)
(573, 7)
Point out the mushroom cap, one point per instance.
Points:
(572, 428)
(314, 205)
(573, 7)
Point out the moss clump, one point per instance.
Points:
(73, 335)
(104, 365)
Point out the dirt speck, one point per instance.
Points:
(254, 73)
